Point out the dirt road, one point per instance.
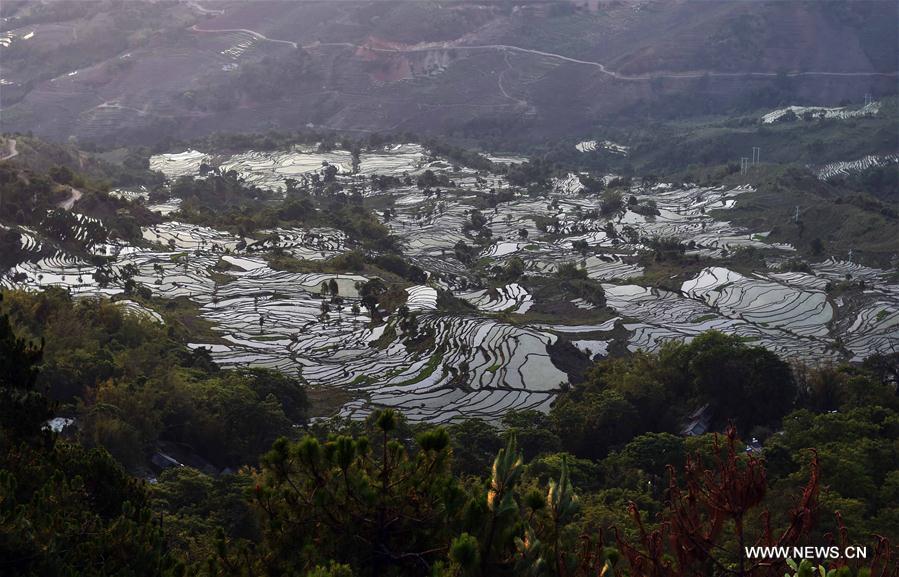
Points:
(11, 147)
(74, 196)
(598, 65)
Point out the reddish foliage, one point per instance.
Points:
(711, 503)
(882, 563)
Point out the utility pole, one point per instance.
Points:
(756, 154)
(868, 99)
(796, 215)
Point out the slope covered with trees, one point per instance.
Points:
(589, 488)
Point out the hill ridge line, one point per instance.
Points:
(599, 65)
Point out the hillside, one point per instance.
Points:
(526, 71)
(449, 288)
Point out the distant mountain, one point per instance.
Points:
(522, 71)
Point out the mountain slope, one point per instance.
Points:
(530, 70)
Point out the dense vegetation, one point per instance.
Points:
(858, 213)
(33, 198)
(604, 480)
(224, 200)
(607, 483)
(131, 384)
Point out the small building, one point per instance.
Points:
(697, 422)
(754, 447)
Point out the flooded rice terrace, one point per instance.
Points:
(497, 356)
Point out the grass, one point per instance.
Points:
(222, 265)
(448, 303)
(722, 140)
(427, 370)
(336, 265)
(841, 219)
(325, 401)
(576, 317)
(184, 315)
(703, 318)
(387, 337)
(667, 274)
(220, 278)
(287, 263)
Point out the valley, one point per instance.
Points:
(505, 278)
(456, 288)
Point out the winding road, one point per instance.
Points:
(252, 33)
(74, 196)
(639, 77)
(598, 65)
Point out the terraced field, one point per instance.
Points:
(491, 351)
(847, 167)
(819, 112)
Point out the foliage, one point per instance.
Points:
(63, 507)
(22, 409)
(130, 384)
(710, 501)
(368, 502)
(569, 271)
(539, 496)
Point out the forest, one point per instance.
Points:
(605, 484)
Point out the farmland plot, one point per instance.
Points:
(513, 297)
(61, 271)
(185, 163)
(270, 170)
(308, 244)
(607, 145)
(819, 112)
(665, 315)
(477, 367)
(844, 168)
(767, 303)
(453, 365)
(182, 236)
(421, 298)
